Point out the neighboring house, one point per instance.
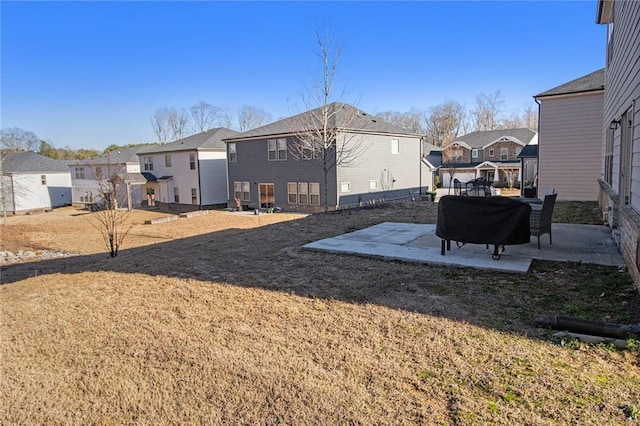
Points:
(529, 167)
(270, 167)
(570, 141)
(620, 131)
(491, 154)
(188, 174)
(89, 177)
(32, 182)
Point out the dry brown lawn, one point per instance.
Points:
(225, 319)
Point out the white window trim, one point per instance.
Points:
(474, 153)
(395, 146)
(342, 187)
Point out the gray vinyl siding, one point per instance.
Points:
(252, 165)
(377, 163)
(622, 82)
(570, 145)
(213, 178)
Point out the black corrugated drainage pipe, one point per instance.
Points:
(594, 328)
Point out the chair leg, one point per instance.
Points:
(538, 242)
(550, 243)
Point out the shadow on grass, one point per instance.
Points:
(271, 257)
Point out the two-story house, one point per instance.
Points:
(188, 174)
(368, 160)
(570, 122)
(32, 182)
(620, 131)
(492, 155)
(90, 178)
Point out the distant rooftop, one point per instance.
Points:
(31, 162)
(588, 83)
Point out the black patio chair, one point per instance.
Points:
(540, 219)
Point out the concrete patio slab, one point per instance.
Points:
(418, 243)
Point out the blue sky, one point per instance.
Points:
(91, 74)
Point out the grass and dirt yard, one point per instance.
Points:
(225, 319)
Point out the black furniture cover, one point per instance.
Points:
(483, 220)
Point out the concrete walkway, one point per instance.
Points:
(418, 243)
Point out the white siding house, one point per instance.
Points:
(32, 182)
(570, 144)
(188, 174)
(88, 177)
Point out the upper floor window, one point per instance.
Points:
(43, 179)
(148, 163)
(232, 152)
(504, 153)
(277, 149)
(474, 153)
(307, 150)
(395, 146)
(192, 161)
(167, 160)
(456, 155)
(79, 172)
(491, 152)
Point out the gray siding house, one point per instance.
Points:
(570, 144)
(277, 165)
(620, 131)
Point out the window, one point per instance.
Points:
(314, 193)
(167, 160)
(271, 147)
(282, 149)
(292, 192)
(176, 195)
(307, 150)
(79, 172)
(192, 161)
(242, 190)
(194, 196)
(232, 152)
(43, 179)
(277, 149)
(456, 155)
(395, 146)
(608, 158)
(148, 163)
(474, 153)
(98, 172)
(373, 184)
(303, 193)
(504, 153)
(491, 152)
(345, 187)
(87, 197)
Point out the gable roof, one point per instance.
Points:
(588, 83)
(344, 117)
(30, 162)
(209, 139)
(529, 151)
(480, 139)
(117, 156)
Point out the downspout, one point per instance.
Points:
(537, 176)
(226, 166)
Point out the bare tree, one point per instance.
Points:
(511, 175)
(410, 120)
(15, 139)
(203, 116)
(443, 123)
(527, 118)
(169, 124)
(487, 114)
(322, 135)
(250, 117)
(110, 218)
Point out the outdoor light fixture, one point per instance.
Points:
(614, 124)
